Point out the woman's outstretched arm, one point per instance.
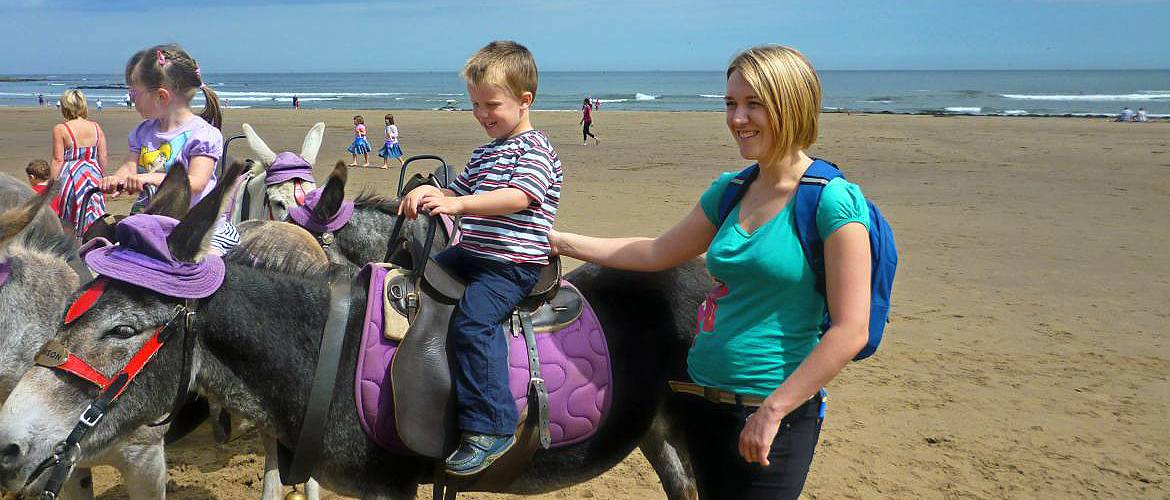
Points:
(688, 239)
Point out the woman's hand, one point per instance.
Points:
(755, 441)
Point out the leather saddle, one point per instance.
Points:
(404, 382)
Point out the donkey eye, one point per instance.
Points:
(121, 332)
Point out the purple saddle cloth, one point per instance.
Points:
(574, 362)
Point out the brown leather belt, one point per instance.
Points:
(715, 395)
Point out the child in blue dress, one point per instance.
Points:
(360, 145)
(390, 149)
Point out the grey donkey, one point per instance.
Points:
(36, 251)
(277, 181)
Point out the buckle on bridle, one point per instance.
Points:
(91, 416)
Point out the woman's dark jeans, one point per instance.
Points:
(712, 433)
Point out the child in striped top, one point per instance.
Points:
(508, 196)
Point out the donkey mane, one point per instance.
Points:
(55, 243)
(377, 201)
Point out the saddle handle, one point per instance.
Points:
(444, 168)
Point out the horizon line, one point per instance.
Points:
(47, 74)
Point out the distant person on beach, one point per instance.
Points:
(360, 146)
(163, 80)
(508, 196)
(41, 100)
(79, 162)
(99, 105)
(752, 410)
(390, 148)
(1126, 115)
(1141, 115)
(586, 121)
(129, 101)
(296, 102)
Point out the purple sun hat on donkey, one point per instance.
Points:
(142, 258)
(288, 166)
(303, 215)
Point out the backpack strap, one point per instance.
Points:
(808, 199)
(735, 191)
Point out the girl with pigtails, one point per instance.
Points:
(163, 81)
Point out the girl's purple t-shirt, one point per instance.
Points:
(157, 151)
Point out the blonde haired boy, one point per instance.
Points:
(508, 196)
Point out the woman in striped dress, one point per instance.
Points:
(79, 161)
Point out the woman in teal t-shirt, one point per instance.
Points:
(751, 411)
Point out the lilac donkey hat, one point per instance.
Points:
(288, 166)
(303, 215)
(143, 258)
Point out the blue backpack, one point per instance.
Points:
(881, 241)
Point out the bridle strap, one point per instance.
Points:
(182, 393)
(81, 369)
(65, 453)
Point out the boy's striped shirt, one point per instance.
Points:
(526, 162)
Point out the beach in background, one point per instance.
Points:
(997, 93)
(1027, 356)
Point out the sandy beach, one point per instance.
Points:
(1025, 356)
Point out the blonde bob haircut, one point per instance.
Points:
(787, 85)
(504, 63)
(73, 105)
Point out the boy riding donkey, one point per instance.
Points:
(508, 196)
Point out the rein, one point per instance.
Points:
(56, 357)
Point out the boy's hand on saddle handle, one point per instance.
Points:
(410, 203)
(440, 205)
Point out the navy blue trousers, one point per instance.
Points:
(479, 345)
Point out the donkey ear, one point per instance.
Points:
(173, 198)
(313, 143)
(191, 239)
(258, 146)
(333, 193)
(16, 219)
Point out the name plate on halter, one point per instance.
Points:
(52, 354)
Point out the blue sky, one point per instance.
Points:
(325, 35)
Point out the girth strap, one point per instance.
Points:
(297, 468)
(537, 391)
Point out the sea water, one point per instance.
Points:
(1008, 93)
